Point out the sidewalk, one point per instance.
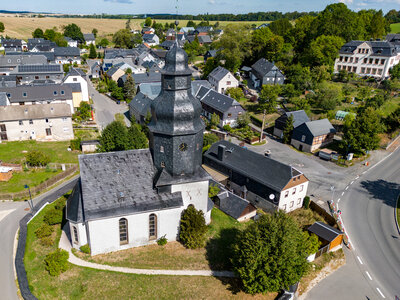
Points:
(66, 245)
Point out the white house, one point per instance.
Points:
(76, 75)
(131, 198)
(67, 55)
(46, 122)
(71, 42)
(369, 58)
(89, 39)
(221, 79)
(151, 39)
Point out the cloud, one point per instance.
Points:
(120, 1)
(346, 1)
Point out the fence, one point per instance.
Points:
(327, 216)
(36, 189)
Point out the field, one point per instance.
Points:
(395, 28)
(22, 27)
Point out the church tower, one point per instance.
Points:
(176, 129)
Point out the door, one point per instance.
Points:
(3, 132)
(301, 147)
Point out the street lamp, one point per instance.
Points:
(30, 197)
(333, 191)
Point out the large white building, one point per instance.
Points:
(368, 58)
(131, 198)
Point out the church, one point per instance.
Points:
(132, 198)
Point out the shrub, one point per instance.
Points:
(306, 202)
(162, 241)
(53, 216)
(37, 158)
(60, 204)
(47, 241)
(227, 128)
(44, 231)
(56, 262)
(193, 228)
(85, 249)
(75, 144)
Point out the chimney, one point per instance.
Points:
(221, 152)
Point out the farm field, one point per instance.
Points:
(22, 27)
(395, 28)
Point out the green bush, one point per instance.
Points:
(53, 216)
(57, 262)
(75, 144)
(47, 241)
(85, 249)
(256, 121)
(44, 231)
(193, 228)
(306, 202)
(36, 158)
(60, 203)
(227, 128)
(162, 241)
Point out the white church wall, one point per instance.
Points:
(80, 232)
(195, 193)
(104, 233)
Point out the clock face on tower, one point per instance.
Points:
(183, 147)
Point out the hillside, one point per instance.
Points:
(395, 28)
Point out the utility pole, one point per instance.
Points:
(262, 127)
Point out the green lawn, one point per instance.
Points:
(390, 106)
(31, 178)
(84, 283)
(86, 134)
(13, 152)
(395, 28)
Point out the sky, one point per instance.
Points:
(187, 6)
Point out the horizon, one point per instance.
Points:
(191, 7)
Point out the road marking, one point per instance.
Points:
(357, 177)
(4, 213)
(369, 276)
(338, 200)
(379, 291)
(359, 259)
(364, 172)
(347, 187)
(342, 193)
(352, 182)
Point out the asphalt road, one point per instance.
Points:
(367, 204)
(10, 215)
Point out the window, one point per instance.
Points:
(286, 194)
(162, 149)
(123, 231)
(294, 191)
(284, 206)
(301, 188)
(152, 227)
(299, 201)
(36, 77)
(229, 115)
(47, 120)
(365, 60)
(75, 79)
(76, 240)
(24, 94)
(356, 60)
(9, 95)
(162, 164)
(47, 77)
(64, 119)
(62, 92)
(30, 122)
(21, 123)
(303, 138)
(228, 83)
(65, 129)
(55, 93)
(48, 131)
(291, 203)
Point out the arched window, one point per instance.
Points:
(123, 231)
(152, 227)
(76, 240)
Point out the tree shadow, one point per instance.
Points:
(382, 190)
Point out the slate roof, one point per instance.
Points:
(76, 72)
(8, 80)
(212, 53)
(313, 129)
(204, 39)
(197, 84)
(324, 231)
(141, 104)
(299, 117)
(38, 92)
(232, 204)
(262, 67)
(218, 73)
(123, 53)
(149, 37)
(187, 29)
(159, 53)
(264, 170)
(11, 43)
(147, 77)
(150, 89)
(379, 48)
(67, 51)
(220, 102)
(89, 37)
(32, 112)
(75, 87)
(393, 38)
(204, 29)
(20, 59)
(3, 99)
(48, 55)
(117, 184)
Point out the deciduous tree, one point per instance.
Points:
(38, 33)
(74, 32)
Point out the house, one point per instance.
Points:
(71, 42)
(14, 45)
(40, 45)
(89, 39)
(221, 79)
(115, 73)
(8, 80)
(210, 54)
(265, 72)
(368, 58)
(393, 38)
(76, 75)
(67, 55)
(159, 53)
(187, 29)
(203, 39)
(313, 135)
(95, 70)
(76, 90)
(202, 29)
(265, 182)
(110, 62)
(27, 74)
(151, 39)
(197, 84)
(331, 239)
(299, 117)
(147, 29)
(49, 56)
(9, 62)
(39, 94)
(227, 108)
(112, 53)
(46, 122)
(148, 77)
(264, 25)
(168, 44)
(170, 32)
(131, 198)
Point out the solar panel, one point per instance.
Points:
(39, 68)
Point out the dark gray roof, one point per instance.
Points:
(147, 77)
(262, 67)
(3, 99)
(299, 117)
(67, 51)
(90, 142)
(232, 204)
(114, 53)
(265, 170)
(312, 129)
(89, 37)
(212, 53)
(43, 48)
(36, 69)
(197, 84)
(204, 29)
(393, 38)
(74, 207)
(8, 80)
(21, 59)
(218, 73)
(118, 184)
(76, 72)
(220, 102)
(75, 87)
(204, 39)
(379, 48)
(324, 231)
(38, 92)
(11, 43)
(141, 104)
(151, 90)
(159, 53)
(34, 112)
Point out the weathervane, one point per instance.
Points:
(176, 22)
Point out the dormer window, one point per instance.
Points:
(24, 94)
(62, 92)
(55, 93)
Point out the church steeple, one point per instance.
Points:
(176, 138)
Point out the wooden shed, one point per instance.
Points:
(5, 173)
(330, 238)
